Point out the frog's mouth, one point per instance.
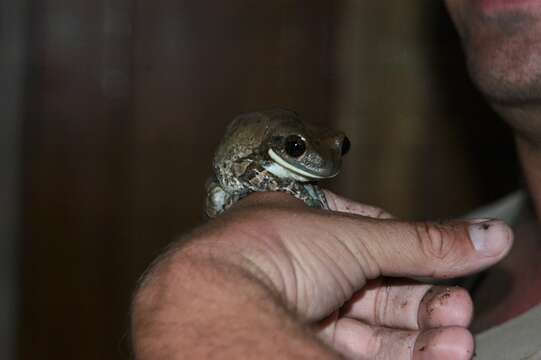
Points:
(283, 169)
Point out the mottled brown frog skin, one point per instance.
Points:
(273, 150)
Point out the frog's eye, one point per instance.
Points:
(295, 146)
(346, 145)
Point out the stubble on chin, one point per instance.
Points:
(504, 59)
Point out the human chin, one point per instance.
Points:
(504, 55)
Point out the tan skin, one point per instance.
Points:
(265, 280)
(270, 278)
(502, 42)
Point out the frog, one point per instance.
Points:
(274, 150)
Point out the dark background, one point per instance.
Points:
(123, 102)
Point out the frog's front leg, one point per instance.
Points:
(309, 193)
(218, 200)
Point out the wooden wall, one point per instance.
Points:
(426, 145)
(12, 73)
(125, 101)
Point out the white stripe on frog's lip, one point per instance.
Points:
(283, 173)
(300, 174)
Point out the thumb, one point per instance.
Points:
(365, 242)
(437, 250)
(441, 244)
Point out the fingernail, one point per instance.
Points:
(450, 342)
(490, 237)
(478, 221)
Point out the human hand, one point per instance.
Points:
(337, 272)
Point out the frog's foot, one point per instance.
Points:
(218, 200)
(308, 193)
(312, 196)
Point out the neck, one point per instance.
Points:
(526, 123)
(514, 286)
(530, 158)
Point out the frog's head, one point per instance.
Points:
(302, 151)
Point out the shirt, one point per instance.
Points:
(520, 337)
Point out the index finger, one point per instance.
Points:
(406, 304)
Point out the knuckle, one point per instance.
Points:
(256, 222)
(436, 240)
(382, 302)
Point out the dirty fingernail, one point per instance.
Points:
(491, 237)
(452, 342)
(478, 221)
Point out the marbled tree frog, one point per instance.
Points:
(273, 150)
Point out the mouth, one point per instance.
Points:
(299, 174)
(493, 7)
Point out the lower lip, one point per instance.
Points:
(495, 6)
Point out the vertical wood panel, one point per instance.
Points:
(13, 26)
(403, 95)
(75, 206)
